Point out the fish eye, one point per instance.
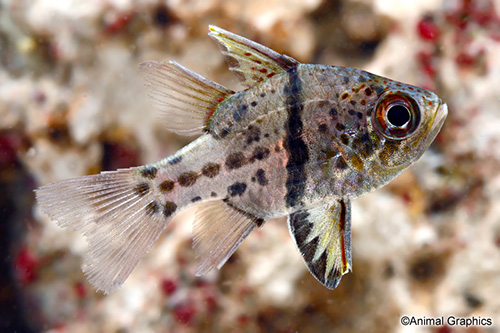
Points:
(397, 116)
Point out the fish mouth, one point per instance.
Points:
(441, 114)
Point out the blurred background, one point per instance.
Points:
(72, 103)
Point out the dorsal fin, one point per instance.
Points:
(183, 100)
(323, 236)
(218, 230)
(251, 62)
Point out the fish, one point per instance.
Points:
(300, 141)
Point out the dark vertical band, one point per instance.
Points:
(297, 150)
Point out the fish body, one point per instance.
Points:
(301, 141)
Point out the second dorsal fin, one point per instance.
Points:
(251, 62)
(182, 99)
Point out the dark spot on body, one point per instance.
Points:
(254, 103)
(362, 102)
(352, 112)
(240, 112)
(252, 134)
(344, 138)
(237, 189)
(262, 95)
(277, 148)
(266, 135)
(259, 153)
(323, 128)
(149, 172)
(169, 208)
(353, 103)
(346, 79)
(359, 115)
(210, 170)
(261, 177)
(235, 160)
(142, 189)
(166, 186)
(213, 194)
(344, 95)
(368, 91)
(152, 208)
(340, 127)
(333, 112)
(174, 160)
(341, 164)
(195, 199)
(187, 179)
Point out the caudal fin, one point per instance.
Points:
(117, 215)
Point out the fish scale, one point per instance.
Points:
(301, 141)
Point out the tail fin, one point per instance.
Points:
(118, 217)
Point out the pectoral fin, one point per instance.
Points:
(251, 62)
(323, 236)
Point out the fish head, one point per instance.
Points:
(403, 122)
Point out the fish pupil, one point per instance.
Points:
(398, 115)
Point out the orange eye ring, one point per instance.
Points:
(397, 116)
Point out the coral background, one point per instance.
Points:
(72, 103)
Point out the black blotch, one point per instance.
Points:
(237, 189)
(261, 177)
(253, 179)
(149, 172)
(359, 115)
(352, 112)
(142, 189)
(235, 160)
(427, 268)
(344, 138)
(353, 103)
(259, 153)
(341, 163)
(340, 127)
(187, 179)
(213, 194)
(195, 199)
(152, 208)
(254, 103)
(262, 95)
(266, 135)
(473, 301)
(166, 186)
(368, 91)
(253, 134)
(210, 170)
(174, 160)
(240, 112)
(323, 128)
(169, 208)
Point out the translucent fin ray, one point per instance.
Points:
(323, 236)
(111, 215)
(251, 62)
(183, 100)
(218, 230)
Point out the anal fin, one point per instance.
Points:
(323, 236)
(183, 100)
(218, 230)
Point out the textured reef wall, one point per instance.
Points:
(72, 103)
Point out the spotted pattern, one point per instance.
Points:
(149, 172)
(210, 170)
(152, 208)
(237, 189)
(235, 161)
(252, 134)
(166, 186)
(142, 189)
(260, 175)
(187, 179)
(259, 153)
(169, 208)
